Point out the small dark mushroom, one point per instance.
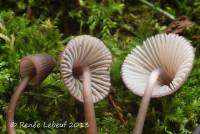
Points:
(33, 70)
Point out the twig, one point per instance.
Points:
(29, 12)
(170, 16)
(117, 109)
(40, 95)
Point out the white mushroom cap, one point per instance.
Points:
(86, 51)
(170, 52)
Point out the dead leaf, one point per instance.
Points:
(179, 24)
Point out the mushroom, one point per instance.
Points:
(33, 70)
(196, 130)
(85, 69)
(157, 68)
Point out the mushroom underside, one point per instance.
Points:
(169, 52)
(86, 52)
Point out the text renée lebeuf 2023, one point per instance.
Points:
(52, 124)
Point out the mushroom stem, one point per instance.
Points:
(145, 101)
(88, 102)
(12, 106)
